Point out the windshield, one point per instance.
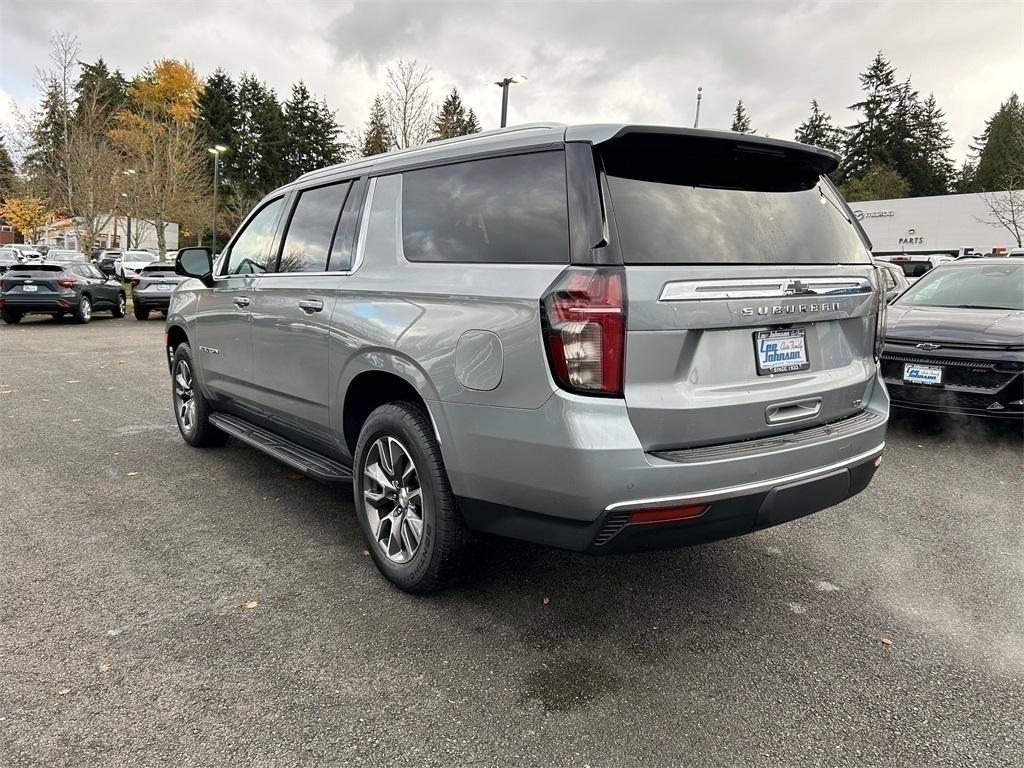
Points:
(693, 202)
(139, 256)
(974, 286)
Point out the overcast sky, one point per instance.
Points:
(586, 62)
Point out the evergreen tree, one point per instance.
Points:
(108, 89)
(867, 143)
(312, 133)
(453, 119)
(881, 182)
(740, 119)
(933, 170)
(218, 110)
(44, 162)
(819, 130)
(6, 169)
(1000, 148)
(377, 136)
(259, 150)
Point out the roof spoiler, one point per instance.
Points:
(816, 158)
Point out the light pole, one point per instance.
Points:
(696, 119)
(504, 83)
(130, 174)
(216, 151)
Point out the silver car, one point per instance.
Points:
(604, 338)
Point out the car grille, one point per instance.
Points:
(923, 395)
(957, 372)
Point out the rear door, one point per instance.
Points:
(751, 293)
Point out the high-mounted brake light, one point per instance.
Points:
(584, 323)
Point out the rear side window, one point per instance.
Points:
(307, 244)
(694, 201)
(503, 210)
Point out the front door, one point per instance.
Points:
(291, 314)
(224, 318)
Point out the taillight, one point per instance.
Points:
(135, 282)
(883, 313)
(66, 282)
(584, 324)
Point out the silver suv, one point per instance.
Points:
(602, 338)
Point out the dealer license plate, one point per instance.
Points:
(781, 351)
(30, 288)
(163, 287)
(922, 374)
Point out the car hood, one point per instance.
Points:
(984, 327)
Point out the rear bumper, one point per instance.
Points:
(41, 304)
(570, 473)
(151, 301)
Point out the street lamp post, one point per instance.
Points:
(504, 83)
(696, 119)
(130, 173)
(216, 151)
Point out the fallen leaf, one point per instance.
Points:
(296, 476)
(366, 552)
(251, 604)
(120, 362)
(63, 691)
(104, 667)
(72, 381)
(886, 640)
(546, 600)
(654, 628)
(132, 474)
(74, 420)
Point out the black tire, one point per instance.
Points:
(201, 433)
(141, 313)
(120, 308)
(83, 312)
(11, 317)
(442, 549)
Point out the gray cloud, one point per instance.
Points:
(586, 61)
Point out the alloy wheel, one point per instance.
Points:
(86, 308)
(121, 305)
(184, 400)
(393, 499)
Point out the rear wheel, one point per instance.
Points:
(404, 502)
(11, 317)
(141, 313)
(84, 312)
(191, 410)
(120, 306)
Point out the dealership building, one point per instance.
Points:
(950, 224)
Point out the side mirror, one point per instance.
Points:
(194, 262)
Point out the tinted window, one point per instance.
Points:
(345, 236)
(501, 210)
(311, 231)
(915, 268)
(251, 250)
(696, 201)
(95, 273)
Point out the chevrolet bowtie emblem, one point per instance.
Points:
(927, 345)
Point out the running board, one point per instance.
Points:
(308, 462)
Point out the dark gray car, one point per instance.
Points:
(603, 338)
(58, 289)
(152, 288)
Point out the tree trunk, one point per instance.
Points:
(161, 236)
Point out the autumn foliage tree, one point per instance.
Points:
(158, 137)
(27, 213)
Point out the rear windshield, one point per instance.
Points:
(35, 268)
(914, 268)
(159, 268)
(699, 202)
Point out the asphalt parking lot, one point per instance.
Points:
(161, 605)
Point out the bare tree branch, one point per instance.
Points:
(407, 101)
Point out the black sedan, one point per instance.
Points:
(955, 340)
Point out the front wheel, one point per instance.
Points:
(404, 502)
(191, 410)
(120, 306)
(84, 312)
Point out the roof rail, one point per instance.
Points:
(410, 151)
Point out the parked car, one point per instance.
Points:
(894, 282)
(955, 340)
(108, 261)
(8, 258)
(58, 289)
(25, 252)
(152, 289)
(915, 266)
(132, 262)
(602, 338)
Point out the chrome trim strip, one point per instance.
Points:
(716, 494)
(364, 224)
(775, 288)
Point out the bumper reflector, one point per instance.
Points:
(668, 514)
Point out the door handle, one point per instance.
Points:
(309, 306)
(241, 301)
